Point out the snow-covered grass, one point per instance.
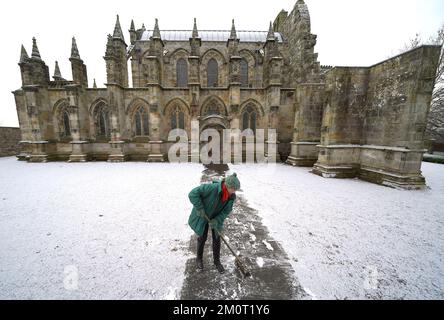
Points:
(121, 230)
(434, 158)
(350, 239)
(122, 227)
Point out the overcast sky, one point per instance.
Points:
(350, 32)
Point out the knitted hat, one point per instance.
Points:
(232, 182)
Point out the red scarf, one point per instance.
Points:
(225, 194)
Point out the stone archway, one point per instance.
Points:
(218, 123)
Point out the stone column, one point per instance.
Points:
(234, 108)
(273, 124)
(156, 144)
(118, 146)
(40, 148)
(80, 147)
(194, 149)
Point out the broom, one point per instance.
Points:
(238, 262)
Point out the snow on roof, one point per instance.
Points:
(211, 35)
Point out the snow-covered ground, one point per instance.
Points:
(350, 239)
(121, 230)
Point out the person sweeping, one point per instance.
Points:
(212, 203)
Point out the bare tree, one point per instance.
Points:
(435, 126)
(413, 43)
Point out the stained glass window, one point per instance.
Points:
(141, 122)
(213, 73)
(182, 73)
(249, 118)
(66, 126)
(177, 119)
(244, 73)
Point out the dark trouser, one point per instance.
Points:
(216, 244)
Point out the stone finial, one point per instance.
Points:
(94, 84)
(143, 27)
(156, 32)
(233, 35)
(118, 30)
(132, 28)
(195, 32)
(271, 36)
(23, 55)
(35, 49)
(109, 46)
(74, 50)
(57, 74)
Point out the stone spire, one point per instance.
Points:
(156, 32)
(133, 33)
(94, 84)
(195, 41)
(233, 42)
(33, 70)
(57, 74)
(35, 49)
(23, 55)
(195, 32)
(271, 36)
(79, 71)
(118, 30)
(74, 50)
(233, 34)
(156, 42)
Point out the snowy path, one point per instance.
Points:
(272, 273)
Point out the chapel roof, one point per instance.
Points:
(211, 35)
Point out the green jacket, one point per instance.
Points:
(209, 198)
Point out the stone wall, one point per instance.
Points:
(375, 119)
(301, 60)
(309, 104)
(9, 141)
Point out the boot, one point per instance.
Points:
(219, 267)
(200, 250)
(216, 255)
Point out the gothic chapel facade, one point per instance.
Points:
(366, 122)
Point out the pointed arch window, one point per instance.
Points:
(249, 118)
(177, 119)
(182, 73)
(244, 73)
(66, 127)
(141, 126)
(101, 122)
(212, 73)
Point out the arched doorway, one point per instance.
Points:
(213, 124)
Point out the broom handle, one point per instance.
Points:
(223, 239)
